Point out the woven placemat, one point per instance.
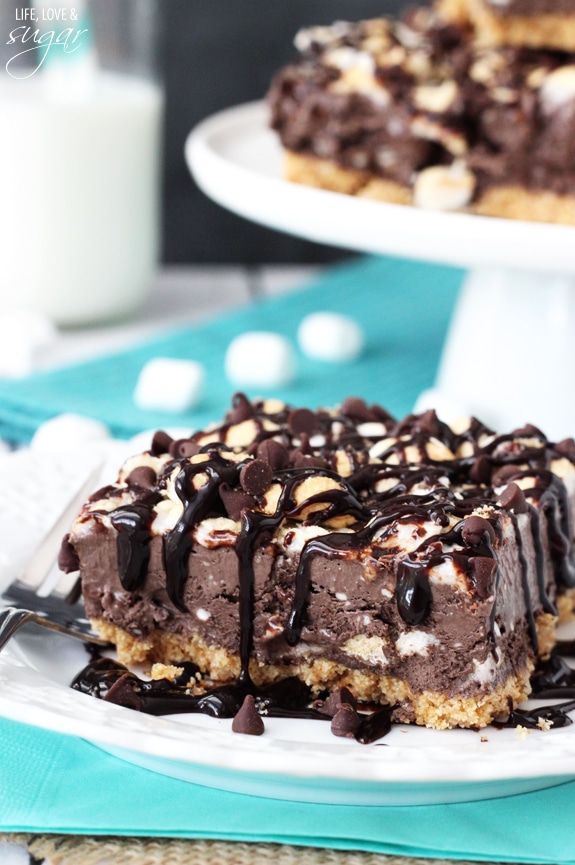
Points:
(72, 850)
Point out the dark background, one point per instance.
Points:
(219, 53)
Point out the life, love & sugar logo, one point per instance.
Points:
(34, 42)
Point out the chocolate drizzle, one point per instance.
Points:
(412, 592)
(254, 525)
(100, 678)
(132, 523)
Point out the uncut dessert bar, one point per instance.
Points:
(419, 112)
(420, 565)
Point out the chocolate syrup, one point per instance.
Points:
(533, 719)
(413, 592)
(197, 505)
(132, 523)
(291, 698)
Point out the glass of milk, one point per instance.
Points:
(80, 135)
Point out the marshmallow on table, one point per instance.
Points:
(260, 358)
(23, 335)
(330, 336)
(68, 431)
(169, 384)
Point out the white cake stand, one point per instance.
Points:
(509, 356)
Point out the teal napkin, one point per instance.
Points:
(403, 307)
(54, 783)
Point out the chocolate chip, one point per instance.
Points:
(335, 701)
(304, 445)
(475, 529)
(428, 422)
(247, 720)
(306, 461)
(513, 499)
(241, 410)
(109, 491)
(357, 409)
(381, 415)
(504, 474)
(142, 478)
(529, 431)
(480, 470)
(68, 557)
(481, 571)
(566, 448)
(272, 452)
(256, 477)
(160, 443)
(234, 501)
(302, 420)
(184, 448)
(122, 693)
(345, 722)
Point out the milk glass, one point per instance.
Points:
(80, 130)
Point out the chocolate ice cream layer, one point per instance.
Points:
(420, 564)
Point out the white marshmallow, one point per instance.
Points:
(558, 88)
(330, 336)
(444, 187)
(260, 359)
(66, 432)
(169, 384)
(23, 336)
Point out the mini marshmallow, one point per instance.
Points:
(260, 359)
(168, 384)
(68, 431)
(23, 336)
(330, 336)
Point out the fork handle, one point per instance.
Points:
(11, 619)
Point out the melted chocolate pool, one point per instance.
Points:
(109, 680)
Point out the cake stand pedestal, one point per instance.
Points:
(509, 356)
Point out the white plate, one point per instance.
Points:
(236, 159)
(297, 760)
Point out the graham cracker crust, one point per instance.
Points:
(428, 708)
(507, 202)
(553, 31)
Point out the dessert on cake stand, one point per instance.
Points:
(509, 356)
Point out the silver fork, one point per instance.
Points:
(33, 599)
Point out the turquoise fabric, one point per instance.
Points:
(403, 306)
(50, 782)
